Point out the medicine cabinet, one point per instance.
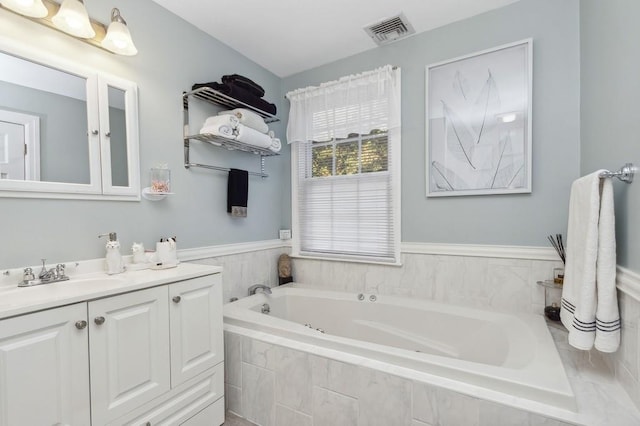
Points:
(66, 131)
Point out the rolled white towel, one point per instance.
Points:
(248, 118)
(221, 126)
(276, 145)
(227, 120)
(252, 137)
(219, 130)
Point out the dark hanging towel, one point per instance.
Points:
(237, 192)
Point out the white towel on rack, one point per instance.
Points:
(248, 118)
(252, 137)
(229, 120)
(221, 125)
(276, 145)
(589, 299)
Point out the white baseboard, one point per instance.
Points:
(475, 250)
(470, 250)
(628, 282)
(229, 249)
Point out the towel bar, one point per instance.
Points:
(625, 174)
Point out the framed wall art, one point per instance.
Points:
(478, 123)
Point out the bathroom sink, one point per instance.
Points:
(97, 281)
(87, 280)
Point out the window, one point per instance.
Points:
(346, 198)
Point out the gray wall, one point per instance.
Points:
(610, 107)
(504, 219)
(172, 56)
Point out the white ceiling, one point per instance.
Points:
(289, 36)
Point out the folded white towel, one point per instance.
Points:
(589, 300)
(248, 118)
(276, 145)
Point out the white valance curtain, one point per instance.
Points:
(357, 103)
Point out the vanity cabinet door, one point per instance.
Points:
(196, 326)
(129, 352)
(44, 368)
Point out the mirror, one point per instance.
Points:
(65, 131)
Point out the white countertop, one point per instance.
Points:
(16, 300)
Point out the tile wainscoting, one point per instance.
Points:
(484, 276)
(269, 382)
(501, 283)
(626, 361)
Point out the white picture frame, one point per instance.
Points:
(478, 122)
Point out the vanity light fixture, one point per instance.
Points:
(71, 17)
(31, 8)
(118, 39)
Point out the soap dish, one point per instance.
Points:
(154, 196)
(161, 265)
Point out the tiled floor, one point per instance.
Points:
(233, 420)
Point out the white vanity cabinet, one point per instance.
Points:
(147, 357)
(44, 368)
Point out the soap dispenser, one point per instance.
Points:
(115, 265)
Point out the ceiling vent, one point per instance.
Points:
(390, 30)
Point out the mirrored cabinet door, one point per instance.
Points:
(66, 131)
(119, 134)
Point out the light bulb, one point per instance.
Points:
(31, 8)
(72, 18)
(118, 39)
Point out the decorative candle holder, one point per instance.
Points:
(558, 275)
(160, 180)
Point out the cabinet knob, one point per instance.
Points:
(108, 134)
(94, 132)
(176, 299)
(99, 320)
(147, 424)
(80, 325)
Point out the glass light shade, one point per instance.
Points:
(118, 39)
(72, 18)
(31, 8)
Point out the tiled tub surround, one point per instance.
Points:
(626, 361)
(507, 353)
(508, 285)
(242, 269)
(278, 381)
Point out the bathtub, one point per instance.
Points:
(506, 353)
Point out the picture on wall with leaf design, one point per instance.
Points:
(478, 126)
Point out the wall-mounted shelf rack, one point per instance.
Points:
(212, 96)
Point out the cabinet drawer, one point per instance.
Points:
(182, 403)
(213, 415)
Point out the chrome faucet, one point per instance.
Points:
(265, 289)
(46, 276)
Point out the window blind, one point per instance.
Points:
(346, 174)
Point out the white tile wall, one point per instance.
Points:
(348, 395)
(626, 361)
(243, 270)
(505, 284)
